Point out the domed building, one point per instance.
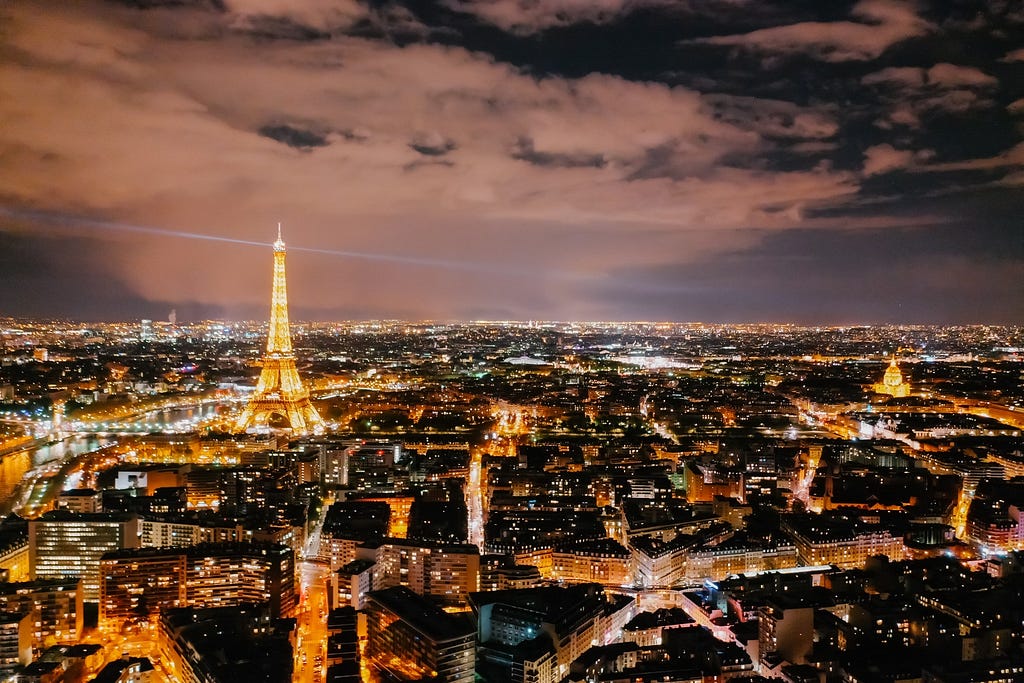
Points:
(892, 382)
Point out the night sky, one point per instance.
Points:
(716, 160)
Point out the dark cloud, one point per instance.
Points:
(524, 151)
(49, 276)
(954, 274)
(432, 144)
(293, 137)
(282, 28)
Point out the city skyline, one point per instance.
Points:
(732, 162)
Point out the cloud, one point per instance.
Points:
(525, 151)
(880, 25)
(1009, 158)
(773, 118)
(845, 276)
(531, 16)
(885, 158)
(432, 144)
(954, 76)
(912, 92)
(898, 76)
(293, 137)
(1014, 55)
(941, 76)
(425, 179)
(358, 145)
(302, 19)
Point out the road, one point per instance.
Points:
(313, 607)
(474, 500)
(312, 623)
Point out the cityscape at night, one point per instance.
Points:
(511, 341)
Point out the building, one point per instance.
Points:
(226, 645)
(14, 558)
(80, 500)
(138, 583)
(446, 572)
(65, 544)
(500, 572)
(126, 670)
(141, 582)
(279, 391)
(351, 583)
(64, 663)
(170, 530)
(660, 564)
(647, 628)
(401, 508)
(706, 480)
(55, 607)
(739, 555)
(411, 638)
(573, 617)
(343, 660)
(347, 526)
(15, 640)
(846, 544)
(892, 383)
(785, 630)
(604, 561)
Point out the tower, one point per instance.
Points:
(279, 390)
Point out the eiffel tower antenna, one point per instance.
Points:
(279, 390)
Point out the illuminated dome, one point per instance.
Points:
(892, 382)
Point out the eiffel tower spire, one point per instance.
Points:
(279, 390)
(279, 339)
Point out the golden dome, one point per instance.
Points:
(892, 382)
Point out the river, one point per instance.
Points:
(15, 466)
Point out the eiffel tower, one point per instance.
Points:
(280, 391)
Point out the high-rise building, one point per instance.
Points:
(226, 644)
(446, 572)
(279, 390)
(15, 641)
(575, 618)
(351, 583)
(413, 639)
(343, 658)
(150, 580)
(65, 544)
(785, 629)
(55, 606)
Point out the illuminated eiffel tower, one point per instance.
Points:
(280, 391)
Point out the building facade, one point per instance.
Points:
(65, 544)
(142, 582)
(55, 607)
(411, 638)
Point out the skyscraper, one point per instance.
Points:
(279, 390)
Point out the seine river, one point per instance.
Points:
(14, 466)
